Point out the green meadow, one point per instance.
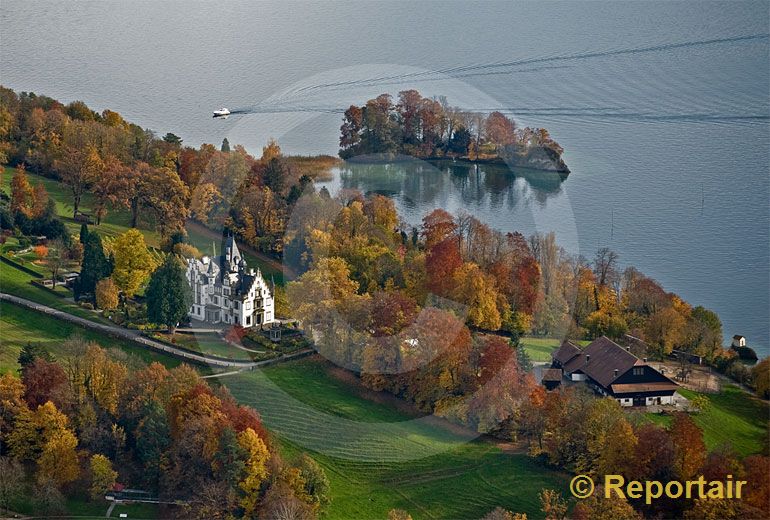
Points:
(733, 417)
(540, 349)
(19, 326)
(380, 457)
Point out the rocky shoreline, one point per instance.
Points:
(539, 159)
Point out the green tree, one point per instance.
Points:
(83, 233)
(316, 482)
(169, 295)
(172, 139)
(94, 267)
(522, 356)
(275, 175)
(30, 352)
(225, 145)
(230, 459)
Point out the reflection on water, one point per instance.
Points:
(492, 192)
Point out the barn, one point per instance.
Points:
(614, 371)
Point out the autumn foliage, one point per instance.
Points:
(84, 423)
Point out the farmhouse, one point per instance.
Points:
(225, 291)
(614, 371)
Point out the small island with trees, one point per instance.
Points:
(428, 128)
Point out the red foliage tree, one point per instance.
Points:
(442, 260)
(495, 353)
(437, 226)
(390, 312)
(45, 381)
(689, 448)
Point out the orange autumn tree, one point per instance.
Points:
(22, 195)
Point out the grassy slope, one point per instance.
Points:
(17, 282)
(734, 417)
(20, 326)
(378, 457)
(206, 344)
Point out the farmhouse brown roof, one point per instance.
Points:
(629, 388)
(566, 352)
(601, 359)
(552, 374)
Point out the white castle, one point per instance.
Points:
(224, 291)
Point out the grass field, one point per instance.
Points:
(16, 282)
(85, 509)
(19, 326)
(540, 349)
(734, 417)
(378, 457)
(205, 343)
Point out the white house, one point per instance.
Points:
(738, 341)
(225, 291)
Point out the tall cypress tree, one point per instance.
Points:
(169, 295)
(83, 233)
(94, 266)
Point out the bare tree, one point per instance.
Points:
(11, 482)
(56, 259)
(604, 265)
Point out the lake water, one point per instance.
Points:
(662, 108)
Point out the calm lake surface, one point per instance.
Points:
(662, 108)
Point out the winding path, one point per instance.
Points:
(136, 337)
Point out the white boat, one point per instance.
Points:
(221, 112)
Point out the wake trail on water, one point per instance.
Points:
(296, 100)
(529, 61)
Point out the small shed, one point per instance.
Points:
(551, 378)
(739, 341)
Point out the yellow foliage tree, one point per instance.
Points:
(255, 469)
(106, 294)
(102, 475)
(270, 151)
(477, 290)
(133, 262)
(92, 373)
(58, 461)
(33, 429)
